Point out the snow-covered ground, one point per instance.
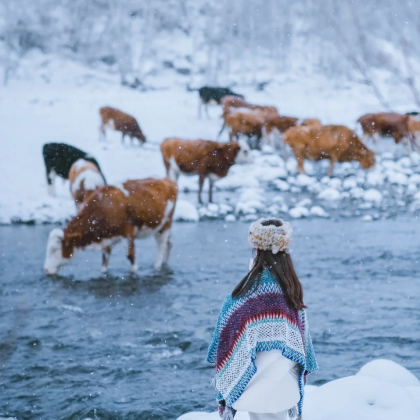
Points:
(381, 390)
(52, 100)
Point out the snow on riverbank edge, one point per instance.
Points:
(381, 390)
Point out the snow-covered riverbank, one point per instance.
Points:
(53, 100)
(381, 390)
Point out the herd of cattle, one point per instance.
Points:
(140, 208)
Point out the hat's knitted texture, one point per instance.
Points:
(270, 238)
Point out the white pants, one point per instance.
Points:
(268, 416)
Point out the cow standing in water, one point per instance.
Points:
(120, 121)
(142, 208)
(59, 158)
(207, 159)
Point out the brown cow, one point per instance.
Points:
(142, 208)
(334, 142)
(248, 123)
(233, 106)
(414, 128)
(207, 159)
(84, 177)
(120, 121)
(385, 124)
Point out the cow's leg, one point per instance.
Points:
(331, 167)
(375, 137)
(162, 239)
(221, 131)
(200, 104)
(211, 190)
(122, 138)
(51, 175)
(207, 110)
(102, 132)
(200, 187)
(132, 253)
(106, 252)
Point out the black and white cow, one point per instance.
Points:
(212, 96)
(58, 159)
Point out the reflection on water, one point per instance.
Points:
(85, 345)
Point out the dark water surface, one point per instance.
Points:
(123, 346)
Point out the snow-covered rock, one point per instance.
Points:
(415, 179)
(230, 218)
(304, 203)
(349, 183)
(281, 185)
(185, 212)
(397, 178)
(375, 178)
(318, 211)
(329, 194)
(372, 195)
(389, 371)
(303, 180)
(367, 218)
(381, 390)
(360, 398)
(298, 212)
(415, 158)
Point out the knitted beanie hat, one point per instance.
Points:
(271, 234)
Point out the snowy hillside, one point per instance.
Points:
(56, 100)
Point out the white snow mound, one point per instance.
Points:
(381, 390)
(185, 212)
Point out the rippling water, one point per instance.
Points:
(120, 346)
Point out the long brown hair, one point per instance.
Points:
(281, 267)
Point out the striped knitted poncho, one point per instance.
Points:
(258, 321)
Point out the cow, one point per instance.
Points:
(414, 129)
(58, 159)
(212, 96)
(140, 209)
(207, 159)
(385, 124)
(335, 142)
(245, 123)
(276, 125)
(120, 121)
(84, 177)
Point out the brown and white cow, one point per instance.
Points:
(207, 159)
(84, 177)
(334, 142)
(120, 121)
(385, 124)
(141, 208)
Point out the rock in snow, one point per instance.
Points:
(318, 211)
(372, 195)
(381, 390)
(185, 212)
(329, 194)
(298, 212)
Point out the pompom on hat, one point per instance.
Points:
(271, 234)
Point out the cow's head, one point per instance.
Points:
(54, 259)
(367, 158)
(244, 152)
